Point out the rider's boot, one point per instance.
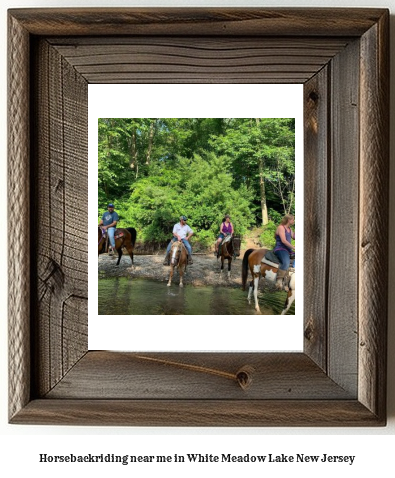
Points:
(166, 262)
(280, 279)
(190, 261)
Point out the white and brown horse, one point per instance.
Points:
(178, 259)
(252, 260)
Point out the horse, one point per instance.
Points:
(229, 249)
(253, 260)
(178, 258)
(123, 238)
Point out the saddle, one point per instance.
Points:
(117, 235)
(224, 241)
(271, 259)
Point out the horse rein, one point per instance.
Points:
(102, 237)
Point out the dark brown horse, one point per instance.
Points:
(123, 238)
(253, 260)
(179, 259)
(229, 249)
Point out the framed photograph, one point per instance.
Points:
(206, 144)
(341, 59)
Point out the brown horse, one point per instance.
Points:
(253, 260)
(179, 259)
(123, 238)
(229, 249)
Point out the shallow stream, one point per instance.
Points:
(131, 296)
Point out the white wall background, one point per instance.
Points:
(23, 444)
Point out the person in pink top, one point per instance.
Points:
(225, 229)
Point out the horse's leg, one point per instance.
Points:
(171, 275)
(250, 291)
(257, 269)
(129, 248)
(256, 281)
(181, 272)
(229, 266)
(288, 302)
(251, 288)
(119, 250)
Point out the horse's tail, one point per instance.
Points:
(133, 233)
(244, 268)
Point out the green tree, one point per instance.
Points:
(155, 169)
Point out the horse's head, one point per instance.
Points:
(236, 245)
(175, 252)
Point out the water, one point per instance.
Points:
(131, 296)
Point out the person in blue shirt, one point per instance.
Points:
(108, 223)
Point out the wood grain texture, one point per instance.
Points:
(18, 217)
(316, 214)
(374, 223)
(198, 21)
(60, 237)
(344, 219)
(336, 381)
(202, 413)
(201, 376)
(224, 60)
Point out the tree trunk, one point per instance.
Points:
(150, 141)
(133, 151)
(265, 218)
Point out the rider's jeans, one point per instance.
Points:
(284, 259)
(111, 232)
(184, 241)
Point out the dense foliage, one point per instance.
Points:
(154, 170)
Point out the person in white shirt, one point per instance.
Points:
(181, 232)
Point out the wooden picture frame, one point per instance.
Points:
(342, 58)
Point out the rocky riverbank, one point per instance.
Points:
(205, 269)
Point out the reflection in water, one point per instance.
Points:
(126, 296)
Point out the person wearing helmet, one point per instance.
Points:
(108, 224)
(181, 232)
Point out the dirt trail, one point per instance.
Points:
(252, 241)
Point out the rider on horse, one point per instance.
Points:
(108, 223)
(181, 232)
(225, 230)
(283, 248)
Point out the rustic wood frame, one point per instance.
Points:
(342, 57)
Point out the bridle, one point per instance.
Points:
(176, 249)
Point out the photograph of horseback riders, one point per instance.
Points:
(196, 216)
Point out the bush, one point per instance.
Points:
(275, 216)
(267, 237)
(202, 240)
(201, 188)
